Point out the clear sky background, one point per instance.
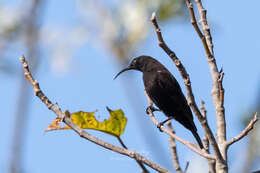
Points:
(86, 83)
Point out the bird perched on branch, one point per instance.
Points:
(163, 89)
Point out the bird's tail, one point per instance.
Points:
(195, 134)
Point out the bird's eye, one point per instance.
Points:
(134, 61)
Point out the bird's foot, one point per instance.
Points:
(159, 126)
(153, 109)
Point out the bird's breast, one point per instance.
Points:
(153, 86)
(150, 81)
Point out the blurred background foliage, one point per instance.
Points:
(123, 25)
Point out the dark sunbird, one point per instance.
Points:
(165, 92)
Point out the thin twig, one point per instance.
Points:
(186, 167)
(196, 27)
(186, 79)
(205, 27)
(249, 127)
(174, 154)
(211, 163)
(205, 138)
(67, 120)
(144, 170)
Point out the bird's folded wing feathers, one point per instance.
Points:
(171, 89)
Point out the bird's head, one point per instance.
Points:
(141, 63)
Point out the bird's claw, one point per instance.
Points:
(153, 109)
(159, 126)
(149, 108)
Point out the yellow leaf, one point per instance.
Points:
(56, 125)
(115, 125)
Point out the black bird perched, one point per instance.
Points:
(164, 90)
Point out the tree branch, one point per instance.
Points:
(144, 170)
(196, 27)
(186, 167)
(66, 119)
(186, 79)
(211, 163)
(174, 154)
(249, 127)
(216, 91)
(205, 27)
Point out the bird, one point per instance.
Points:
(164, 91)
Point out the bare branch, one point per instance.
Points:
(144, 170)
(186, 79)
(186, 167)
(205, 138)
(66, 119)
(216, 91)
(205, 27)
(249, 127)
(188, 144)
(196, 27)
(174, 154)
(211, 163)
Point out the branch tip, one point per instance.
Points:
(186, 167)
(249, 127)
(22, 58)
(153, 17)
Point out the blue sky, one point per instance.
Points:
(89, 85)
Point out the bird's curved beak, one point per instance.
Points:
(125, 69)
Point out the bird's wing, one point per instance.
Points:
(168, 96)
